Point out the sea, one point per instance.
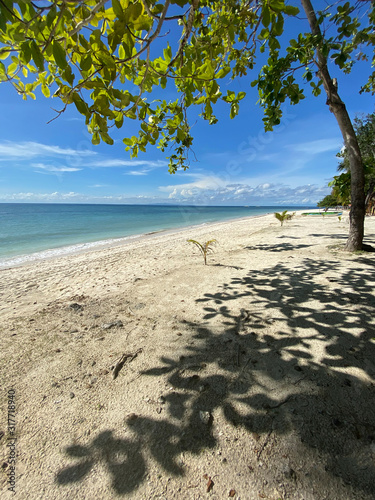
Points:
(31, 231)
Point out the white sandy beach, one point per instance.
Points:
(251, 377)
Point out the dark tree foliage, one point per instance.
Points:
(329, 201)
(365, 131)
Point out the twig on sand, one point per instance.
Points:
(299, 380)
(130, 312)
(260, 451)
(243, 318)
(277, 405)
(120, 363)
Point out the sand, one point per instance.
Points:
(251, 377)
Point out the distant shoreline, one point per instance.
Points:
(107, 243)
(82, 248)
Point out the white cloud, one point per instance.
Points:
(316, 147)
(73, 197)
(233, 194)
(212, 190)
(42, 197)
(203, 182)
(26, 150)
(53, 169)
(116, 162)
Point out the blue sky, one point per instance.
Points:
(234, 162)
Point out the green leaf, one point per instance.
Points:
(230, 97)
(59, 55)
(80, 104)
(290, 10)
(121, 52)
(115, 36)
(207, 110)
(51, 16)
(266, 16)
(45, 90)
(234, 109)
(119, 121)
(68, 75)
(126, 98)
(128, 44)
(95, 139)
(117, 9)
(278, 27)
(25, 53)
(167, 54)
(3, 25)
(2, 69)
(105, 58)
(132, 12)
(5, 53)
(37, 56)
(12, 68)
(223, 72)
(86, 63)
(142, 23)
(106, 138)
(264, 34)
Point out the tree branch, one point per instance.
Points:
(11, 12)
(188, 28)
(86, 21)
(53, 31)
(154, 16)
(153, 36)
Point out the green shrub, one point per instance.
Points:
(204, 248)
(281, 217)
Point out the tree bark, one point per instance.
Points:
(338, 108)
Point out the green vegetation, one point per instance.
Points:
(93, 54)
(329, 201)
(281, 217)
(365, 132)
(204, 248)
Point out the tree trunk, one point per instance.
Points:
(338, 108)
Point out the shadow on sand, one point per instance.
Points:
(257, 368)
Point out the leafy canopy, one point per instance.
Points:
(106, 57)
(365, 132)
(329, 201)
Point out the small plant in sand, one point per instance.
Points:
(339, 217)
(290, 216)
(282, 217)
(204, 248)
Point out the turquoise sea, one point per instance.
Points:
(34, 231)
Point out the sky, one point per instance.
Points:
(233, 162)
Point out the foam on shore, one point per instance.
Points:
(79, 248)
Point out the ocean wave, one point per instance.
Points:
(64, 251)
